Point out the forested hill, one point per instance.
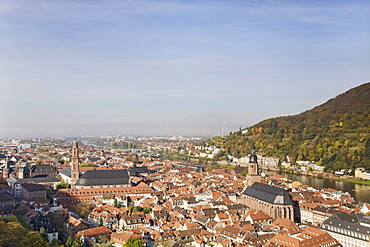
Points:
(336, 134)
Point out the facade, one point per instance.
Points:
(362, 173)
(32, 191)
(351, 230)
(321, 213)
(43, 170)
(23, 170)
(69, 197)
(306, 210)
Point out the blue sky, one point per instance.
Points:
(71, 68)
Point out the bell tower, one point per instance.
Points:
(253, 175)
(253, 163)
(75, 172)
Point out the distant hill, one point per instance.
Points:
(335, 134)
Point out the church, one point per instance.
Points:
(274, 201)
(96, 178)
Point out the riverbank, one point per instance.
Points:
(351, 180)
(320, 175)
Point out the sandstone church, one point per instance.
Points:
(96, 178)
(274, 201)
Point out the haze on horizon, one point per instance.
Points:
(150, 67)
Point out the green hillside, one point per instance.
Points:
(335, 134)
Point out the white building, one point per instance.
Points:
(351, 230)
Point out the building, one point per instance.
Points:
(72, 226)
(96, 178)
(321, 213)
(93, 235)
(75, 172)
(310, 237)
(362, 173)
(70, 197)
(103, 179)
(43, 170)
(351, 230)
(32, 191)
(45, 221)
(274, 201)
(253, 174)
(6, 198)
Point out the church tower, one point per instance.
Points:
(253, 175)
(75, 172)
(253, 163)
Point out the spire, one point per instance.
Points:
(75, 172)
(75, 144)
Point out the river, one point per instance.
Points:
(360, 192)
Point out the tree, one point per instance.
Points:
(24, 222)
(147, 210)
(11, 218)
(11, 234)
(244, 173)
(63, 185)
(116, 203)
(38, 162)
(89, 164)
(208, 169)
(102, 242)
(101, 222)
(84, 209)
(367, 149)
(58, 218)
(44, 234)
(54, 243)
(69, 242)
(134, 242)
(78, 243)
(130, 208)
(34, 239)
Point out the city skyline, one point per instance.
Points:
(73, 68)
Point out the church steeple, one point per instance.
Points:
(253, 175)
(75, 172)
(253, 163)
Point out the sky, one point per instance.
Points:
(185, 67)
